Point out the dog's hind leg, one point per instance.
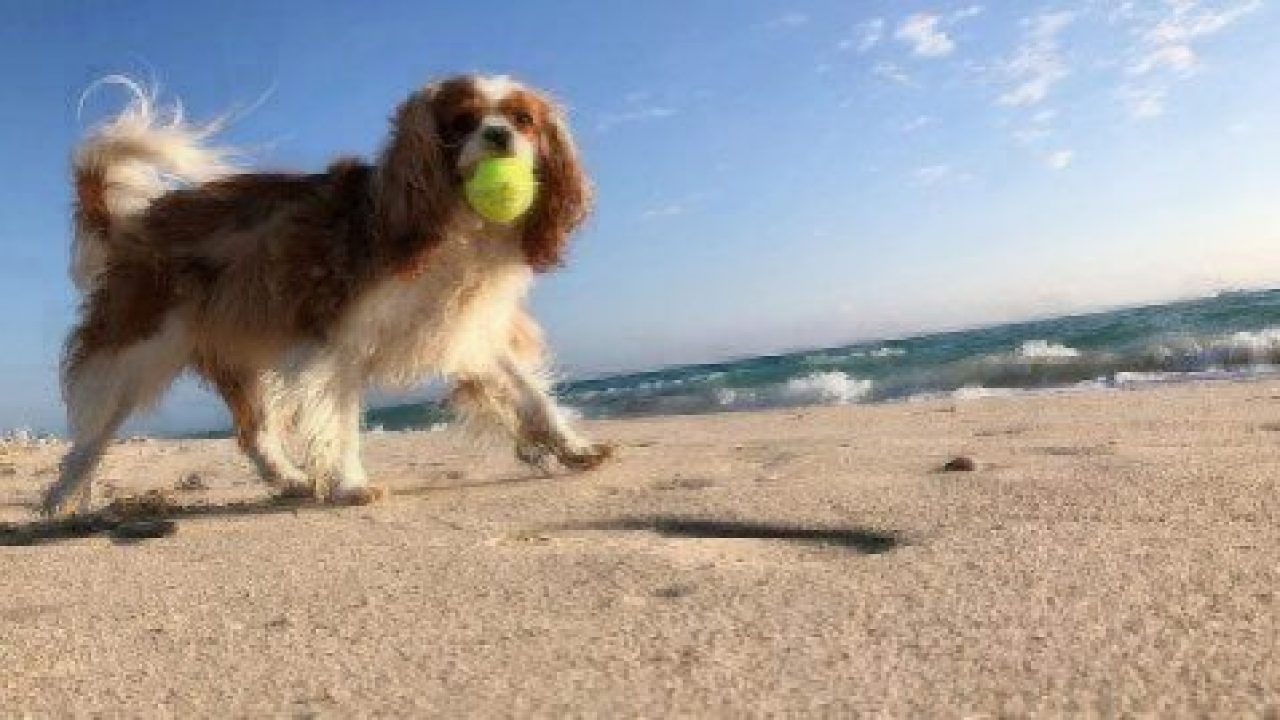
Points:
(257, 425)
(103, 384)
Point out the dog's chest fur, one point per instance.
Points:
(452, 318)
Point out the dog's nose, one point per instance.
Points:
(497, 136)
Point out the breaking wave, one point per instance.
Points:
(1225, 337)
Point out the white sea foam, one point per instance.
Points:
(837, 358)
(25, 437)
(1045, 350)
(832, 388)
(978, 392)
(1256, 346)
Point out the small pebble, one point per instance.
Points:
(960, 463)
(192, 482)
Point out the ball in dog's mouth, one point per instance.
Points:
(501, 189)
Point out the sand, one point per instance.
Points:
(1111, 553)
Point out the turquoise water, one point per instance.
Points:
(1228, 335)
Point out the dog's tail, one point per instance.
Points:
(128, 162)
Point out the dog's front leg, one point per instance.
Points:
(541, 425)
(328, 421)
(351, 484)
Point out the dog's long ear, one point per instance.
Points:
(564, 196)
(414, 200)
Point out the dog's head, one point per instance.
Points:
(443, 130)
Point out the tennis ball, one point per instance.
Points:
(501, 189)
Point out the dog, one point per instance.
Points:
(290, 294)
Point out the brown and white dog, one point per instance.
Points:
(290, 294)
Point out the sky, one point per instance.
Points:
(770, 175)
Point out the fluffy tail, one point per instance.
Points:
(128, 162)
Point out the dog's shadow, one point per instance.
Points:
(144, 517)
(133, 526)
(856, 539)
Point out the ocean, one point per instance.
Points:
(1230, 335)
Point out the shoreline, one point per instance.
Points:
(1111, 553)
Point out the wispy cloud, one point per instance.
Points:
(669, 210)
(866, 36)
(892, 72)
(1179, 58)
(1187, 21)
(1144, 102)
(1037, 64)
(918, 122)
(638, 107)
(789, 20)
(1030, 135)
(931, 175)
(1044, 117)
(967, 12)
(1060, 160)
(922, 33)
(1166, 50)
(1039, 127)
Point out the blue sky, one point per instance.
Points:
(771, 174)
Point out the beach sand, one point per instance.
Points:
(1113, 552)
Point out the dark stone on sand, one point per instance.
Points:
(960, 463)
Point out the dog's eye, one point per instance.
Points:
(463, 123)
(523, 120)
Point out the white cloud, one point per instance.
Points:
(926, 39)
(931, 175)
(1030, 136)
(1166, 49)
(1037, 65)
(967, 12)
(892, 72)
(638, 107)
(1186, 21)
(669, 210)
(789, 20)
(866, 36)
(1179, 58)
(1060, 160)
(916, 123)
(1044, 117)
(1144, 102)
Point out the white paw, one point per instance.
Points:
(356, 493)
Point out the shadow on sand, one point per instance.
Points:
(155, 514)
(860, 540)
(134, 525)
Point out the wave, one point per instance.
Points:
(715, 392)
(1032, 364)
(825, 388)
(1045, 350)
(827, 357)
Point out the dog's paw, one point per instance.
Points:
(357, 494)
(295, 491)
(63, 501)
(590, 458)
(536, 455)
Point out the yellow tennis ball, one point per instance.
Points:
(501, 189)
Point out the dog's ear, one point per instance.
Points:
(564, 197)
(414, 196)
